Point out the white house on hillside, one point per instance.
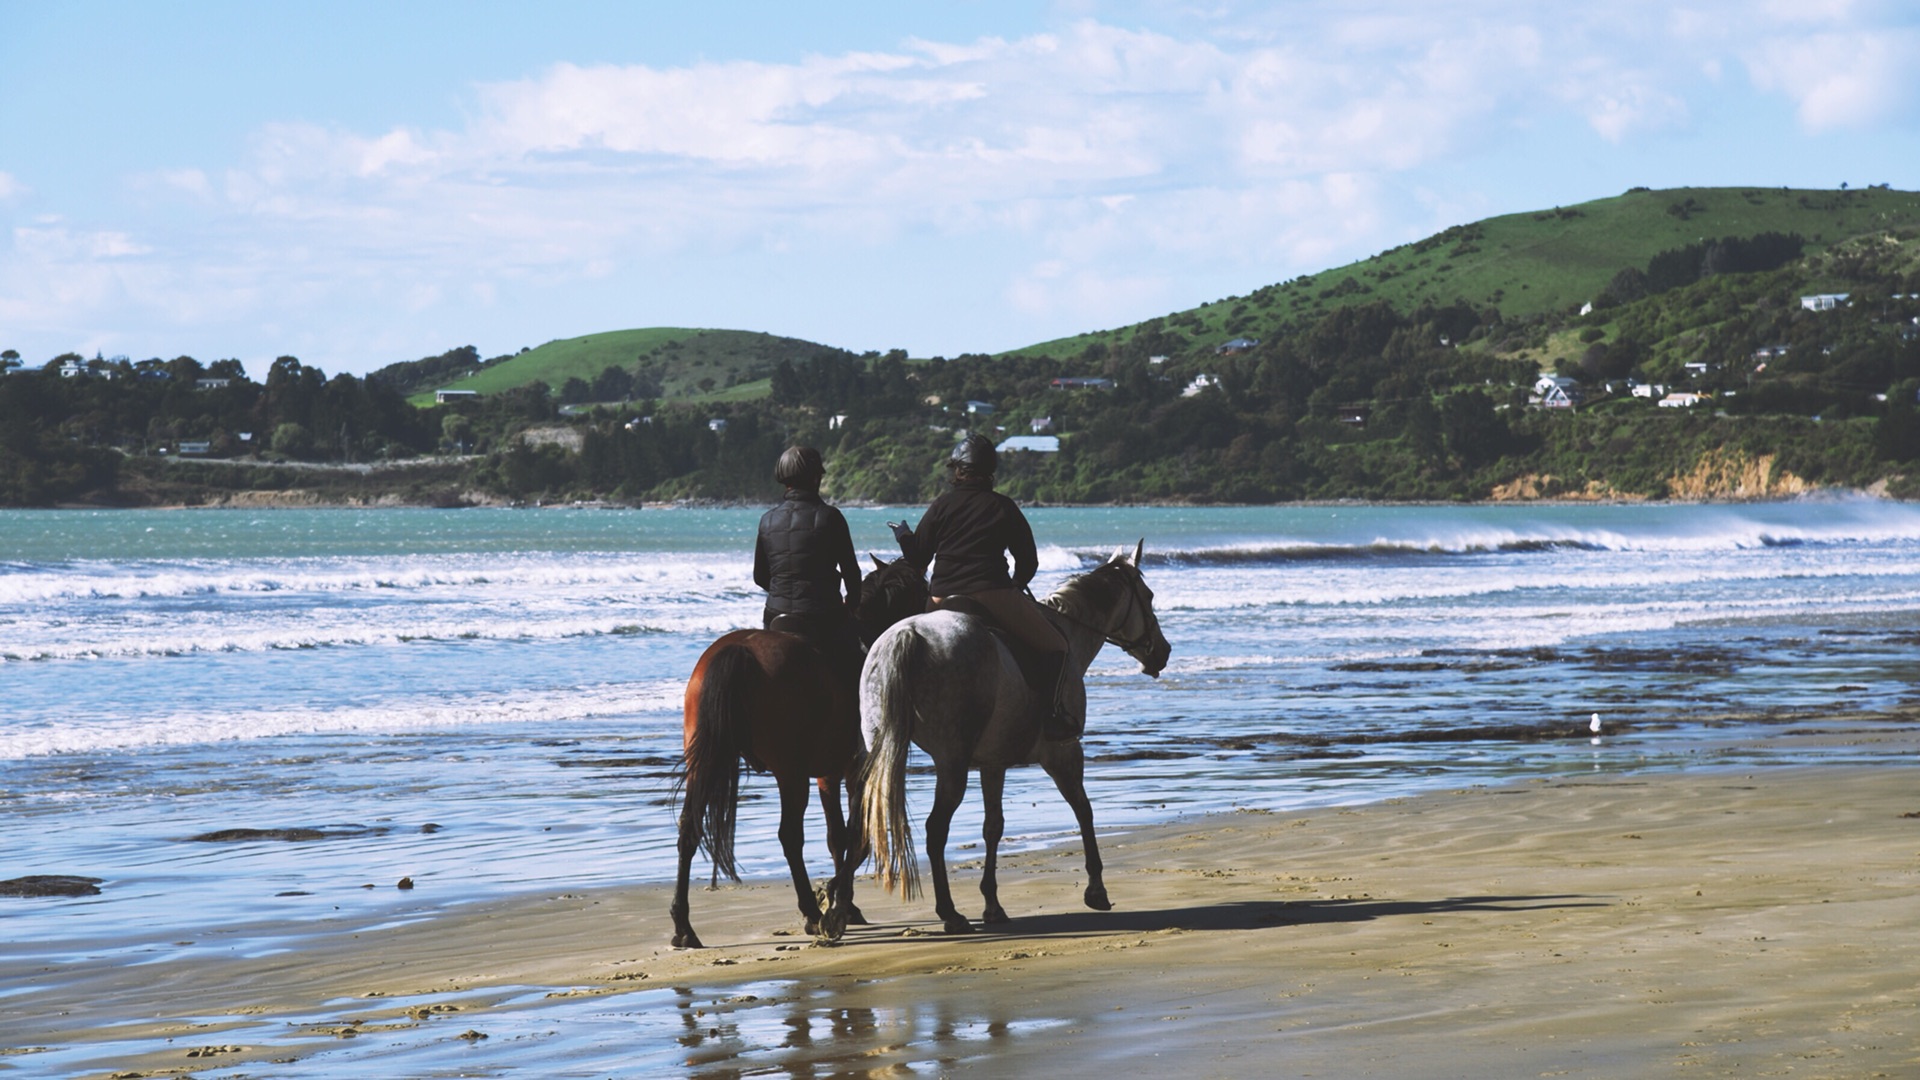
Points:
(1557, 392)
(1200, 382)
(1036, 444)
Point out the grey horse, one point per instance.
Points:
(946, 683)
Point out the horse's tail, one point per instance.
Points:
(887, 718)
(709, 781)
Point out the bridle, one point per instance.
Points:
(1134, 584)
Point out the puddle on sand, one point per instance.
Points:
(774, 1028)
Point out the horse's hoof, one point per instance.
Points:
(1097, 898)
(687, 940)
(854, 918)
(995, 915)
(958, 924)
(832, 925)
(813, 925)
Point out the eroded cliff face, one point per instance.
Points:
(1733, 474)
(1718, 475)
(1548, 486)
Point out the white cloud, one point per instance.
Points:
(1839, 79)
(1103, 170)
(57, 243)
(1629, 103)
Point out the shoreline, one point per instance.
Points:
(302, 499)
(1717, 920)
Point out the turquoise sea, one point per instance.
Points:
(487, 701)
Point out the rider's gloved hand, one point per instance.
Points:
(900, 531)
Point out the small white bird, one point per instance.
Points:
(1593, 725)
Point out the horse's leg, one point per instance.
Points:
(795, 794)
(1068, 771)
(950, 786)
(856, 842)
(839, 889)
(992, 783)
(683, 935)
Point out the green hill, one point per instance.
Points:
(1527, 264)
(1705, 369)
(677, 363)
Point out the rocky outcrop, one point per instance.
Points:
(50, 885)
(1719, 475)
(1734, 474)
(296, 834)
(1535, 486)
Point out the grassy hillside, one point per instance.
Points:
(1529, 264)
(688, 364)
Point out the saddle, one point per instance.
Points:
(839, 644)
(805, 626)
(1032, 663)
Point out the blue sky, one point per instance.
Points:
(360, 183)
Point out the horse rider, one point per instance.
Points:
(804, 557)
(966, 534)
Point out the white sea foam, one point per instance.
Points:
(1701, 530)
(1057, 559)
(534, 711)
(319, 633)
(191, 578)
(1367, 585)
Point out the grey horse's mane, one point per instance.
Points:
(1089, 598)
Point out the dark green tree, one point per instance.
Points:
(1474, 432)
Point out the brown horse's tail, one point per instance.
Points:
(710, 772)
(886, 716)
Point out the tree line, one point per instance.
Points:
(1365, 401)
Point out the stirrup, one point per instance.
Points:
(1057, 728)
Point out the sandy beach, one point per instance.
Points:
(1712, 922)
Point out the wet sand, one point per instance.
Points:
(1706, 923)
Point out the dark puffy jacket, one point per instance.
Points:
(803, 557)
(967, 535)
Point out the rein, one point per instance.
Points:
(1058, 603)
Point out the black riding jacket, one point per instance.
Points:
(803, 556)
(967, 534)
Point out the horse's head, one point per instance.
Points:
(891, 591)
(1137, 628)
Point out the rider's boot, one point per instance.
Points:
(1058, 725)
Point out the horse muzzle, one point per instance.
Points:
(1155, 661)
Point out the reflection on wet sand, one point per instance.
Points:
(787, 1029)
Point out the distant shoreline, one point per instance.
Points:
(302, 499)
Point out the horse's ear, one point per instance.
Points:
(1139, 549)
(877, 564)
(1119, 554)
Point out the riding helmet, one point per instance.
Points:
(976, 455)
(800, 466)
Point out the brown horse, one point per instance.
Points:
(770, 701)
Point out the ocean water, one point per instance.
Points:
(487, 701)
